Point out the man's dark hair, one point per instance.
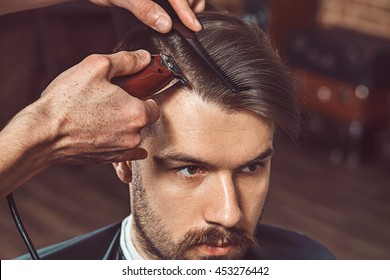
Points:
(244, 53)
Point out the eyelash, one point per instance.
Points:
(257, 165)
(199, 169)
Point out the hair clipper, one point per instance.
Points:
(161, 70)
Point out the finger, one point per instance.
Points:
(186, 14)
(198, 6)
(151, 14)
(152, 111)
(134, 154)
(126, 63)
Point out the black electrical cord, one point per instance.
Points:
(19, 225)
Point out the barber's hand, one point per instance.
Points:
(92, 120)
(153, 15)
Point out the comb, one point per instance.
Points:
(190, 37)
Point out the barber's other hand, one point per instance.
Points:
(92, 120)
(153, 15)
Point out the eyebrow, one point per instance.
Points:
(187, 159)
(265, 154)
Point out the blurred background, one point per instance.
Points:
(333, 185)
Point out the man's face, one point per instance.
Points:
(200, 192)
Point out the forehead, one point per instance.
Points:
(191, 126)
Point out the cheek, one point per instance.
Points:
(173, 202)
(252, 197)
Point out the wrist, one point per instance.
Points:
(26, 146)
(33, 134)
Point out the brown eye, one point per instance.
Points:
(253, 167)
(189, 170)
(250, 168)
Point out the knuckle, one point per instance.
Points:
(136, 140)
(98, 62)
(146, 10)
(139, 117)
(129, 58)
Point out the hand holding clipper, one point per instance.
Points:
(158, 74)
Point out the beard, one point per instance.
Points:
(156, 241)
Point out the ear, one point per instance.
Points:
(123, 171)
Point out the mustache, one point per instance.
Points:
(213, 235)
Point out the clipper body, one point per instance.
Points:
(158, 74)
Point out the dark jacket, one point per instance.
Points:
(276, 244)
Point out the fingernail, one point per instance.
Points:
(143, 154)
(162, 24)
(144, 55)
(197, 23)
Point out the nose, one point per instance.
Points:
(223, 207)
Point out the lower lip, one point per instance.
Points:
(215, 250)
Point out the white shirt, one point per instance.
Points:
(126, 242)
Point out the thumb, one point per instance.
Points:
(126, 63)
(152, 111)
